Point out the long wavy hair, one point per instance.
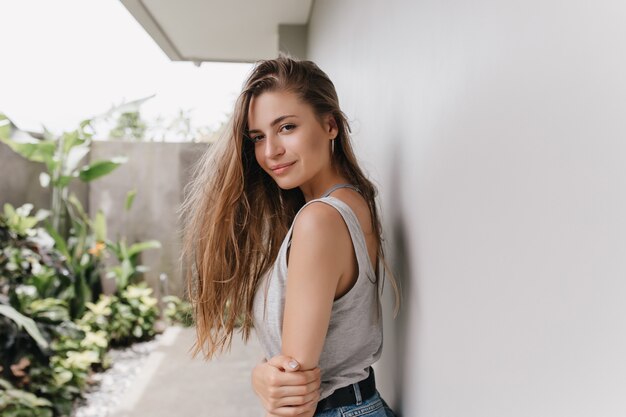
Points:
(235, 216)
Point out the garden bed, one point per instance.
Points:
(109, 387)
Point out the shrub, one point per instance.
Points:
(127, 318)
(176, 310)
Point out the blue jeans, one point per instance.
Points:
(374, 406)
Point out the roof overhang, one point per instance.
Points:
(224, 30)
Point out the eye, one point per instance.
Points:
(255, 139)
(289, 125)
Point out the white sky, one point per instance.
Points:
(64, 61)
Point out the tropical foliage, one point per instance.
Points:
(56, 323)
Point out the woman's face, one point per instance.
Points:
(290, 144)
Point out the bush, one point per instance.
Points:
(47, 354)
(15, 402)
(176, 310)
(125, 319)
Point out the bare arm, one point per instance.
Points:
(319, 238)
(320, 247)
(285, 391)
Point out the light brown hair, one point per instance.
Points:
(235, 216)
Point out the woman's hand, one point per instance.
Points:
(284, 390)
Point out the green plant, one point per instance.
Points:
(84, 253)
(40, 257)
(142, 310)
(125, 318)
(127, 118)
(176, 310)
(57, 368)
(61, 156)
(43, 352)
(128, 271)
(64, 375)
(19, 221)
(22, 322)
(129, 126)
(98, 315)
(77, 239)
(53, 335)
(18, 403)
(60, 372)
(28, 258)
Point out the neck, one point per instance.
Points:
(318, 186)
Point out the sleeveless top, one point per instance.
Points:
(354, 338)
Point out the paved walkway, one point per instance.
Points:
(172, 384)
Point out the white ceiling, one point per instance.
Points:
(218, 30)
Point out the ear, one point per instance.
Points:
(331, 126)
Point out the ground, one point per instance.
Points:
(172, 384)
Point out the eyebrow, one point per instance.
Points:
(277, 120)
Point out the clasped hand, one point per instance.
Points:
(285, 391)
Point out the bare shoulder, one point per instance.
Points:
(320, 231)
(318, 218)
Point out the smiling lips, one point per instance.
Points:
(279, 169)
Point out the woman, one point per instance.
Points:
(281, 194)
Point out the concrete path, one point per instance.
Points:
(173, 385)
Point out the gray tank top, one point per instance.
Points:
(354, 339)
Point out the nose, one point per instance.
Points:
(273, 146)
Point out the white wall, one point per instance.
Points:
(497, 133)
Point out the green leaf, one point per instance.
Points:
(125, 273)
(74, 156)
(5, 126)
(85, 123)
(79, 207)
(9, 211)
(140, 247)
(70, 140)
(26, 322)
(123, 249)
(51, 165)
(18, 219)
(20, 403)
(58, 241)
(29, 222)
(137, 291)
(115, 248)
(100, 226)
(130, 198)
(100, 168)
(31, 148)
(63, 181)
(50, 309)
